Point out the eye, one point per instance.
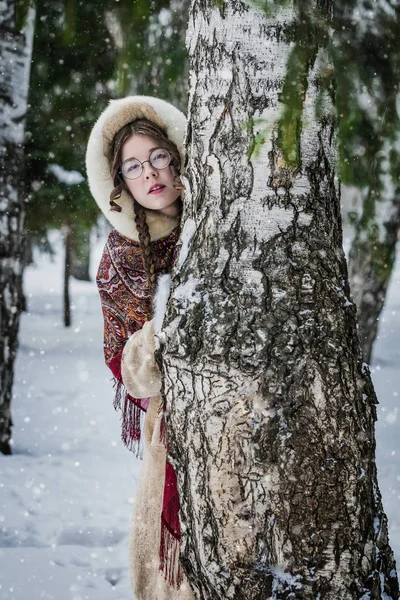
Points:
(131, 167)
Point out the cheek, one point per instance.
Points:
(131, 186)
(171, 176)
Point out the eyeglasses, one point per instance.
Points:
(132, 168)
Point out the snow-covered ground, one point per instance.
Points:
(66, 493)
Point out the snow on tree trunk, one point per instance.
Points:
(15, 57)
(270, 409)
(373, 253)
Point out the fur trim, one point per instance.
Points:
(140, 373)
(117, 114)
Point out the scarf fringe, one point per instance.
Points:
(169, 558)
(132, 420)
(119, 389)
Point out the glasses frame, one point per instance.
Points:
(145, 161)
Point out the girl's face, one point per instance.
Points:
(165, 201)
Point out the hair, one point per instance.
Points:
(142, 127)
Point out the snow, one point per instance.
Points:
(66, 493)
(188, 232)
(64, 176)
(161, 300)
(186, 293)
(285, 578)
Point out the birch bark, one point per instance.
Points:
(270, 408)
(15, 57)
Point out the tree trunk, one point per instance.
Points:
(372, 257)
(80, 266)
(67, 231)
(15, 56)
(270, 408)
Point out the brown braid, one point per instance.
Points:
(143, 127)
(144, 238)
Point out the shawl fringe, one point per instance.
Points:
(132, 419)
(170, 565)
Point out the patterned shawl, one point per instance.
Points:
(126, 304)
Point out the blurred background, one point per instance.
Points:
(66, 482)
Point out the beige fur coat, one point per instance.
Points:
(141, 375)
(148, 582)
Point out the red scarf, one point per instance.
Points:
(126, 304)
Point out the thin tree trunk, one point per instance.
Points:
(271, 409)
(15, 56)
(67, 231)
(80, 266)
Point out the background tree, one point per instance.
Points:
(367, 71)
(16, 31)
(272, 409)
(150, 38)
(364, 63)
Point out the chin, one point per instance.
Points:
(162, 205)
(166, 205)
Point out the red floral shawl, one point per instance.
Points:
(126, 304)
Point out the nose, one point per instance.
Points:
(148, 168)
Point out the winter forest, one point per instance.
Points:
(278, 347)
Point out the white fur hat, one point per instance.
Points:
(117, 114)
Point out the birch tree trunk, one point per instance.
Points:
(80, 259)
(15, 57)
(67, 233)
(270, 409)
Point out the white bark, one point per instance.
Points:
(15, 52)
(271, 412)
(15, 58)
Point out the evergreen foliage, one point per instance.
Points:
(65, 98)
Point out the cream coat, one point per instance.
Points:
(142, 378)
(148, 582)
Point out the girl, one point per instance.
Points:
(134, 156)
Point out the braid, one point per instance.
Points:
(144, 238)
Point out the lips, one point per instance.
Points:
(156, 189)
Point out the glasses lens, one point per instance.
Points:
(160, 158)
(131, 169)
